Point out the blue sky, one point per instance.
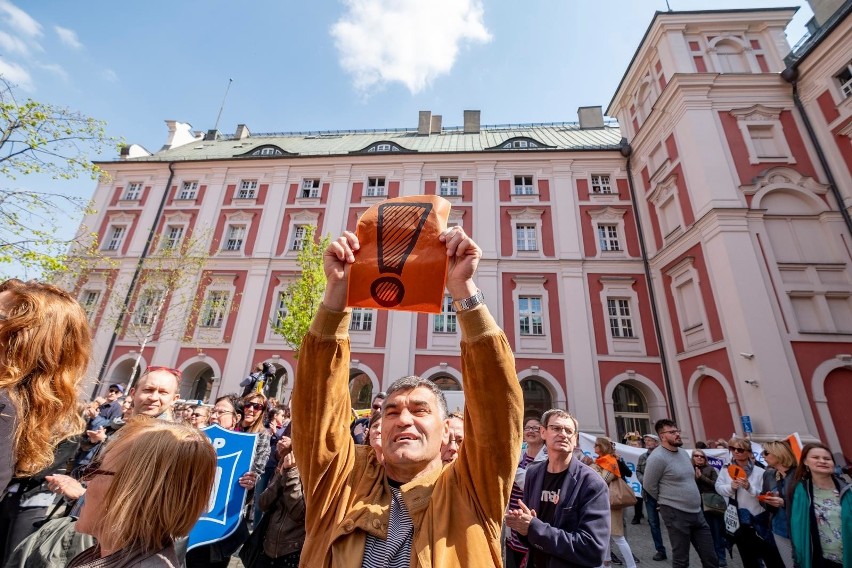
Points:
(324, 64)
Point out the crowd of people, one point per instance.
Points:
(121, 481)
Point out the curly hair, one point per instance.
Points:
(46, 345)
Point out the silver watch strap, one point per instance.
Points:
(470, 302)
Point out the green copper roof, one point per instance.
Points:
(549, 137)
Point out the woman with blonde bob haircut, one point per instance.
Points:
(45, 345)
(154, 481)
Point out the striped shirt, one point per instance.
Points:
(514, 540)
(395, 551)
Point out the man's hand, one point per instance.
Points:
(519, 519)
(336, 260)
(248, 480)
(65, 485)
(286, 462)
(464, 258)
(97, 436)
(284, 447)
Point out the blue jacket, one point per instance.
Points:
(581, 531)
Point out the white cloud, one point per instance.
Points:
(110, 76)
(56, 69)
(412, 42)
(16, 74)
(11, 44)
(68, 37)
(19, 20)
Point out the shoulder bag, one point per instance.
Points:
(620, 494)
(713, 503)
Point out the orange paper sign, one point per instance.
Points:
(736, 472)
(401, 264)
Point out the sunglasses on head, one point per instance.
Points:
(176, 372)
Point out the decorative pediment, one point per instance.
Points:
(526, 214)
(663, 190)
(783, 177)
(608, 214)
(239, 217)
(756, 113)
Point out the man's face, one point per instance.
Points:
(450, 450)
(155, 393)
(559, 435)
(532, 431)
(377, 404)
(113, 394)
(650, 443)
(412, 428)
(671, 436)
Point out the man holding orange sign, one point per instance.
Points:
(410, 509)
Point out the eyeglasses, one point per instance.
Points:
(671, 432)
(561, 430)
(255, 405)
(738, 450)
(176, 372)
(699, 456)
(198, 415)
(93, 470)
(215, 412)
(531, 428)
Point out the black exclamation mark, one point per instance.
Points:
(399, 228)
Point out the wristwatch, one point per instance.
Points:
(470, 302)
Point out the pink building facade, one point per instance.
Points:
(692, 261)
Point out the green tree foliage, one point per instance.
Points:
(303, 296)
(51, 140)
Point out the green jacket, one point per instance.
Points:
(803, 530)
(457, 511)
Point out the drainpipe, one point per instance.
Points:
(627, 152)
(151, 234)
(791, 75)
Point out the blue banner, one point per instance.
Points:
(235, 455)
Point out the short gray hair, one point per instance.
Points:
(412, 382)
(559, 413)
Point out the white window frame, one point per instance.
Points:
(117, 233)
(299, 219)
(767, 119)
(235, 237)
(844, 87)
(445, 322)
(279, 310)
(526, 237)
(448, 186)
(172, 236)
(297, 243)
(361, 320)
(609, 238)
(310, 188)
(188, 190)
(610, 216)
(376, 187)
(521, 187)
(665, 195)
(529, 317)
(693, 334)
(526, 217)
(745, 55)
(384, 147)
(133, 191)
(603, 183)
(619, 287)
(532, 285)
(90, 299)
(146, 303)
(214, 309)
(247, 189)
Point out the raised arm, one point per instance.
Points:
(320, 404)
(493, 400)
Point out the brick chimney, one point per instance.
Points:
(471, 122)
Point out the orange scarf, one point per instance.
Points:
(609, 463)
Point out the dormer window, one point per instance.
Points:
(520, 143)
(266, 151)
(382, 147)
(844, 79)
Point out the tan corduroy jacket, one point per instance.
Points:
(457, 511)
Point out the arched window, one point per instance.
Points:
(537, 399)
(202, 385)
(447, 383)
(731, 57)
(631, 411)
(276, 382)
(645, 101)
(360, 391)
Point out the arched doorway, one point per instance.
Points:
(838, 393)
(278, 383)
(537, 398)
(122, 372)
(715, 410)
(631, 411)
(360, 390)
(197, 382)
(447, 383)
